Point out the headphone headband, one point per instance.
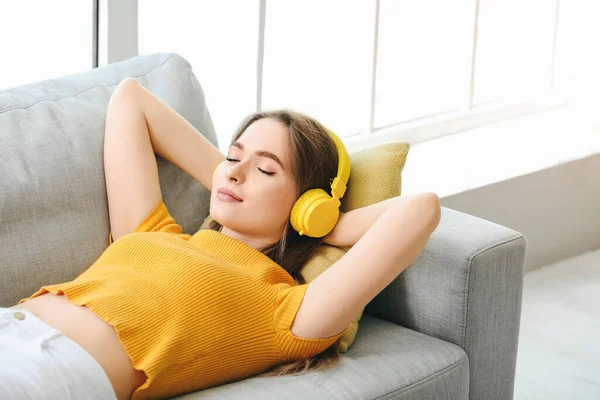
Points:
(338, 186)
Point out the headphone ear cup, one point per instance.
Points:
(297, 213)
(314, 214)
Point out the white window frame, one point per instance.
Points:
(117, 30)
(118, 40)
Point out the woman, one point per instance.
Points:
(162, 312)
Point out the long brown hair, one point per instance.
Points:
(314, 163)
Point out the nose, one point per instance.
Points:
(235, 173)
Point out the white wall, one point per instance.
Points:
(557, 209)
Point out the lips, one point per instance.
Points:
(229, 193)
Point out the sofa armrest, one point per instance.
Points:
(465, 288)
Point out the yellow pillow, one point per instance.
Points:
(376, 175)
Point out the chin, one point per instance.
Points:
(217, 217)
(226, 220)
(235, 222)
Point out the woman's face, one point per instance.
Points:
(266, 186)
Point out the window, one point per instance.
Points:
(422, 59)
(370, 70)
(319, 61)
(576, 61)
(221, 46)
(515, 42)
(44, 39)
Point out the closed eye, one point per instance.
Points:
(261, 170)
(266, 172)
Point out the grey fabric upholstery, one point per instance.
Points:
(446, 328)
(386, 361)
(53, 203)
(465, 288)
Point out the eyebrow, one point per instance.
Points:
(261, 153)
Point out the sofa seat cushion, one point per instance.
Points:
(387, 361)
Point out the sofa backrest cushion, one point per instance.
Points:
(53, 206)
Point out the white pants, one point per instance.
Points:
(38, 362)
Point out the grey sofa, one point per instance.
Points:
(446, 328)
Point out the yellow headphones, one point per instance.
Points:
(315, 213)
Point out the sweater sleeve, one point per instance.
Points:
(294, 347)
(158, 220)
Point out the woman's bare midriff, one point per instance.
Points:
(92, 333)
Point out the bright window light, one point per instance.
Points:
(319, 61)
(44, 39)
(221, 46)
(514, 49)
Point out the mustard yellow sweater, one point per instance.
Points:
(192, 311)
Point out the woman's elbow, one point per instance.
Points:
(432, 207)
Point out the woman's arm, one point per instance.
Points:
(175, 139)
(335, 297)
(351, 226)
